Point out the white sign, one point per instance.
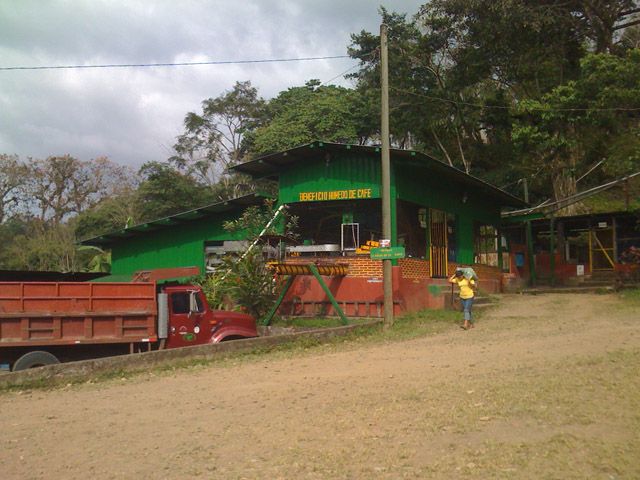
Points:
(579, 270)
(385, 243)
(602, 224)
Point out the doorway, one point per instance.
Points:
(602, 249)
(438, 244)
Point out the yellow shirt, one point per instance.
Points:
(465, 286)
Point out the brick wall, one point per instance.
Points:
(360, 266)
(364, 267)
(414, 268)
(485, 272)
(490, 277)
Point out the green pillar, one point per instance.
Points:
(314, 271)
(532, 263)
(464, 239)
(267, 319)
(499, 250)
(394, 213)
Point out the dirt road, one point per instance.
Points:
(544, 387)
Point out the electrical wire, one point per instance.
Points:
(174, 64)
(370, 54)
(564, 202)
(341, 74)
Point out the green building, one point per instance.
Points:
(440, 215)
(186, 239)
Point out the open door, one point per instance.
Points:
(438, 250)
(602, 248)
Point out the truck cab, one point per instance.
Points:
(192, 322)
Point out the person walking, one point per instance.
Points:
(467, 287)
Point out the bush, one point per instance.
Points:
(246, 283)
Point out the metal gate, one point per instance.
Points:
(438, 250)
(602, 249)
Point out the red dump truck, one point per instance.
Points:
(42, 323)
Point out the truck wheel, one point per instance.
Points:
(34, 359)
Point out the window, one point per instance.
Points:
(180, 302)
(486, 245)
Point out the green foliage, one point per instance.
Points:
(256, 217)
(213, 288)
(246, 283)
(13, 177)
(48, 203)
(583, 121)
(217, 138)
(481, 85)
(165, 191)
(47, 248)
(109, 215)
(300, 115)
(101, 260)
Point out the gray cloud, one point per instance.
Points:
(133, 115)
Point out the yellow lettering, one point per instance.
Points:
(334, 195)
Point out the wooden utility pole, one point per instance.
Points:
(532, 262)
(387, 270)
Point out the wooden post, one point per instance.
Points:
(386, 176)
(529, 233)
(552, 247)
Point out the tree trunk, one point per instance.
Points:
(564, 185)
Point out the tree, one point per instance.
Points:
(592, 118)
(300, 115)
(456, 63)
(165, 191)
(13, 176)
(214, 139)
(61, 186)
(13, 228)
(46, 249)
(602, 19)
(108, 215)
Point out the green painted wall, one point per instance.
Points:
(353, 171)
(469, 205)
(344, 172)
(176, 246)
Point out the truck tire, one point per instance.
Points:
(34, 359)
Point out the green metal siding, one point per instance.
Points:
(338, 172)
(352, 171)
(177, 246)
(469, 205)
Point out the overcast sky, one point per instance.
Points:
(132, 115)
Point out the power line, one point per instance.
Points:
(174, 64)
(506, 107)
(341, 74)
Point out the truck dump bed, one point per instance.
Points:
(48, 313)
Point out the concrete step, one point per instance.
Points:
(596, 283)
(587, 289)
